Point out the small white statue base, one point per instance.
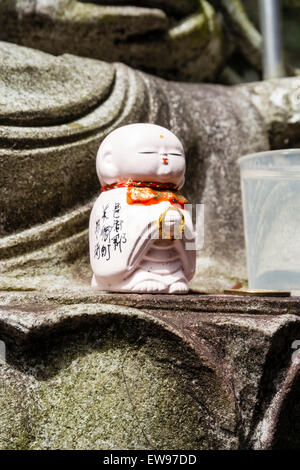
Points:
(141, 235)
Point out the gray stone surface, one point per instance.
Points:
(109, 371)
(48, 179)
(172, 39)
(190, 40)
(278, 101)
(92, 371)
(42, 90)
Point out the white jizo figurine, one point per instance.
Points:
(141, 236)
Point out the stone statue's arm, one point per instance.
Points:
(278, 102)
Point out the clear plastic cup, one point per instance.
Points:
(271, 206)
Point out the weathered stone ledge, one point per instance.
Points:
(191, 372)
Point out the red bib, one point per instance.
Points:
(148, 193)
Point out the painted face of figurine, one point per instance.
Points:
(141, 152)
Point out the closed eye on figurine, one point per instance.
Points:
(147, 152)
(177, 154)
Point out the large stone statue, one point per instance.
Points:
(84, 370)
(51, 129)
(180, 39)
(190, 40)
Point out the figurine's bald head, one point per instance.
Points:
(141, 152)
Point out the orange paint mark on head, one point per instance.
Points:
(161, 136)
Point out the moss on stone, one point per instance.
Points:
(15, 409)
(115, 397)
(136, 387)
(198, 28)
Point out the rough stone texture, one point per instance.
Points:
(278, 101)
(172, 39)
(59, 159)
(41, 90)
(104, 371)
(190, 40)
(92, 371)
